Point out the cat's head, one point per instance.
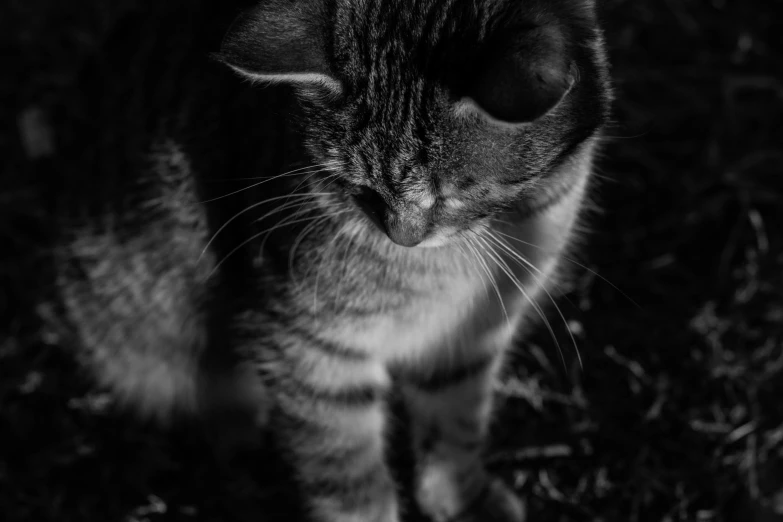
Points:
(441, 113)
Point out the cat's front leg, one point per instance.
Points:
(450, 407)
(329, 419)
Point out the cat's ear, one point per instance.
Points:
(279, 41)
(521, 78)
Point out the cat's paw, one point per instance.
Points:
(496, 503)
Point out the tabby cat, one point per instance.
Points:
(415, 170)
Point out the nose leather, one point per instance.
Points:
(406, 226)
(404, 223)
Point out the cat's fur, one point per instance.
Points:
(466, 128)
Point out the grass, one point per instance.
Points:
(676, 414)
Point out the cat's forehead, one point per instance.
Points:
(412, 19)
(408, 35)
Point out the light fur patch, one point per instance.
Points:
(333, 373)
(461, 309)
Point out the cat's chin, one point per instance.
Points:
(435, 241)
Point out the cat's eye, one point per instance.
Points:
(520, 78)
(496, 109)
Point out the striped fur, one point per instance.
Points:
(404, 228)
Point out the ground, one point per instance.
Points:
(675, 413)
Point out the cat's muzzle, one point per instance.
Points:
(404, 223)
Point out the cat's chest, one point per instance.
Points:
(452, 299)
(436, 309)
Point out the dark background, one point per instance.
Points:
(677, 413)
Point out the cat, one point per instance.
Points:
(417, 168)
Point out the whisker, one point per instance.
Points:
(473, 258)
(302, 203)
(344, 267)
(302, 206)
(293, 218)
(325, 166)
(331, 177)
(570, 260)
(492, 280)
(506, 269)
(257, 235)
(249, 208)
(319, 266)
(297, 241)
(289, 173)
(528, 265)
(471, 261)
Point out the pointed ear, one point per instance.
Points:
(522, 78)
(279, 41)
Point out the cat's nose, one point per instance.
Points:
(406, 226)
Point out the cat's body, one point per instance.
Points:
(309, 284)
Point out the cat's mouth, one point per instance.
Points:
(439, 239)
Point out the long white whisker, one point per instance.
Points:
(492, 280)
(302, 203)
(288, 220)
(507, 270)
(319, 266)
(248, 209)
(289, 173)
(258, 234)
(299, 238)
(344, 267)
(570, 260)
(527, 265)
(473, 257)
(472, 263)
(332, 177)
